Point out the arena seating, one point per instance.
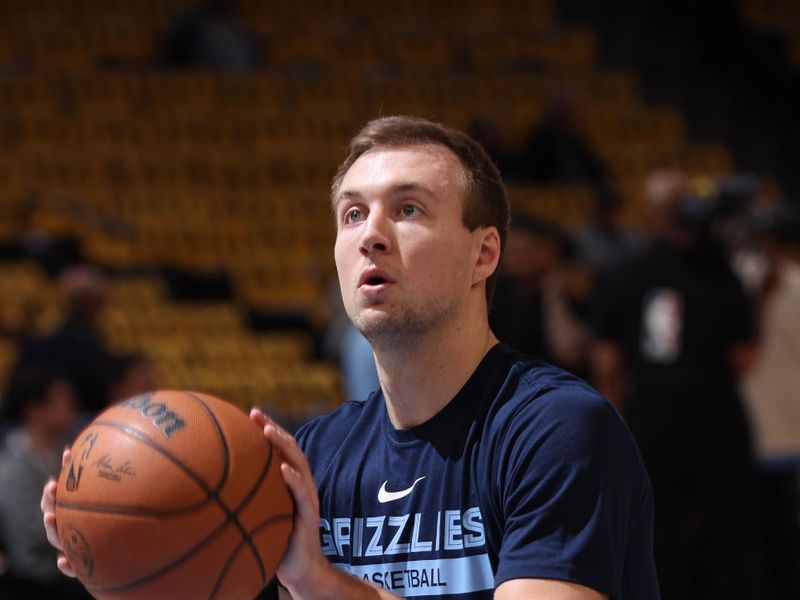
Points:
(199, 170)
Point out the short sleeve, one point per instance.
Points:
(572, 488)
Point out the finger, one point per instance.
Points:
(299, 465)
(294, 459)
(305, 496)
(51, 529)
(287, 446)
(66, 457)
(48, 503)
(274, 432)
(258, 417)
(310, 494)
(64, 566)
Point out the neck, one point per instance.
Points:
(419, 379)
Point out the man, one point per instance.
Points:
(769, 390)
(44, 413)
(474, 472)
(533, 309)
(673, 329)
(76, 347)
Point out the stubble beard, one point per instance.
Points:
(402, 329)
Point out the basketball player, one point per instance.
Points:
(474, 472)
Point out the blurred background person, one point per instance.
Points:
(490, 131)
(604, 241)
(44, 411)
(556, 151)
(212, 34)
(534, 309)
(673, 329)
(129, 375)
(76, 348)
(664, 189)
(771, 390)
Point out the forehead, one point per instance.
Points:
(382, 169)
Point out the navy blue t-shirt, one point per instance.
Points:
(526, 473)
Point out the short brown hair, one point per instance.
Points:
(485, 200)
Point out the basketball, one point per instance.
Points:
(173, 495)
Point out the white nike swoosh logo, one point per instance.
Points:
(384, 496)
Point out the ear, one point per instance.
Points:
(488, 254)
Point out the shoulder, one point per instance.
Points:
(324, 435)
(333, 422)
(546, 418)
(535, 390)
(568, 496)
(560, 398)
(571, 428)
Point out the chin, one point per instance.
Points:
(373, 320)
(391, 331)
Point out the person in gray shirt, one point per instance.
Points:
(42, 412)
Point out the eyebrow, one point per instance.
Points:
(346, 194)
(397, 189)
(413, 187)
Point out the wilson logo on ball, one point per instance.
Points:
(168, 421)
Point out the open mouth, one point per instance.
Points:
(373, 278)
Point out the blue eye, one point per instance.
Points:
(409, 210)
(354, 214)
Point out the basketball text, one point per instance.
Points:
(168, 421)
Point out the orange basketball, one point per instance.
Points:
(173, 495)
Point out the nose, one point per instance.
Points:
(376, 236)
